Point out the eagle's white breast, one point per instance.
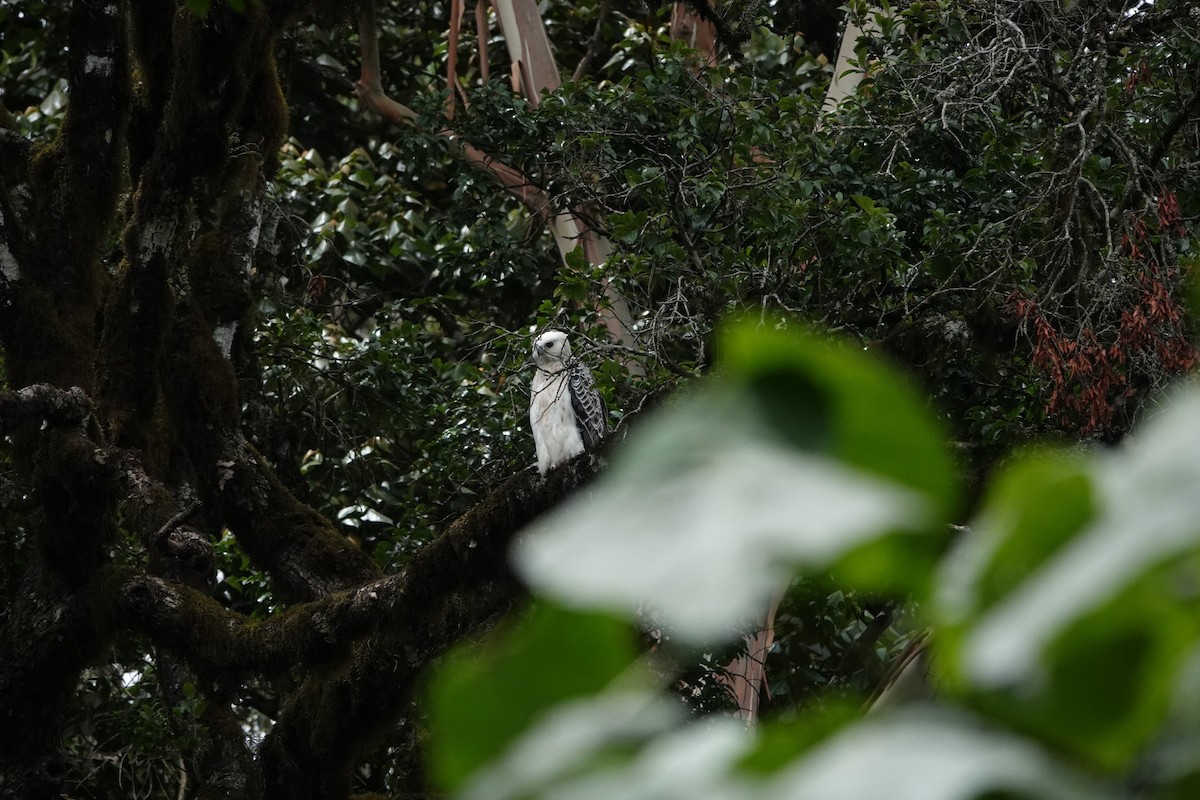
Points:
(555, 434)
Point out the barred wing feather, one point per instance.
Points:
(591, 416)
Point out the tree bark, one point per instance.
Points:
(124, 417)
(848, 72)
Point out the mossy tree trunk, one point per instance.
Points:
(124, 352)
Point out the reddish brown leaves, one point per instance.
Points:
(1090, 375)
(1141, 74)
(1084, 380)
(1169, 216)
(317, 286)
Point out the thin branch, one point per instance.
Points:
(183, 779)
(853, 655)
(452, 87)
(370, 84)
(178, 518)
(595, 44)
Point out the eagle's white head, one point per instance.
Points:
(551, 350)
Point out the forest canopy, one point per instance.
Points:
(269, 271)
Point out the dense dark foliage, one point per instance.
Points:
(260, 348)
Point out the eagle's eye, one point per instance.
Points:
(551, 345)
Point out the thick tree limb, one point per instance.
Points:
(225, 764)
(46, 632)
(695, 32)
(73, 187)
(45, 403)
(176, 551)
(482, 34)
(79, 177)
(470, 553)
(381, 632)
(847, 74)
(452, 86)
(305, 555)
(329, 720)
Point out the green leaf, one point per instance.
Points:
(802, 451)
(484, 695)
(923, 754)
(1113, 656)
(605, 737)
(864, 202)
(576, 260)
(1047, 499)
(573, 290)
(1067, 609)
(927, 755)
(873, 419)
(780, 741)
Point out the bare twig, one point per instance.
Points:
(178, 518)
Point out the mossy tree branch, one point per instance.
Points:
(470, 554)
(455, 584)
(46, 635)
(73, 190)
(125, 418)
